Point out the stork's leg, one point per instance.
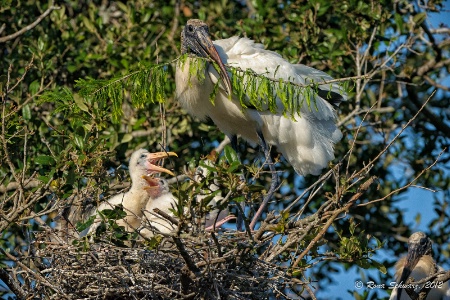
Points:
(240, 217)
(273, 185)
(234, 143)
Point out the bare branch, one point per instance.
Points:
(31, 26)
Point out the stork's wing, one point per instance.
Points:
(243, 53)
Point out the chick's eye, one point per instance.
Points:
(423, 242)
(190, 28)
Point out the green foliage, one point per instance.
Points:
(358, 249)
(92, 82)
(253, 90)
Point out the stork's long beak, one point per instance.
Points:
(411, 261)
(153, 158)
(205, 46)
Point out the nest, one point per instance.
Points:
(209, 266)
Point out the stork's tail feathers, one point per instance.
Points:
(307, 147)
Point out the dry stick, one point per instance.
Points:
(409, 184)
(187, 258)
(428, 113)
(435, 84)
(286, 246)
(441, 276)
(309, 290)
(166, 216)
(394, 139)
(29, 27)
(36, 275)
(354, 139)
(3, 135)
(19, 106)
(322, 178)
(12, 284)
(335, 214)
(32, 183)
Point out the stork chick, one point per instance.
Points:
(142, 166)
(418, 264)
(162, 199)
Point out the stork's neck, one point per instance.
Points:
(139, 194)
(192, 94)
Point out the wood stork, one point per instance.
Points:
(418, 264)
(306, 142)
(142, 167)
(162, 199)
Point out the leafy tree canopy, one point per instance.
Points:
(83, 84)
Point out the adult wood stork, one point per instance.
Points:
(306, 142)
(419, 264)
(142, 167)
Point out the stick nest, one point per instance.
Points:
(210, 266)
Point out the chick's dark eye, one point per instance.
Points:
(143, 155)
(190, 28)
(423, 242)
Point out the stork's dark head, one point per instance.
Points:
(419, 244)
(195, 40)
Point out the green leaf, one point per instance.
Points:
(363, 263)
(154, 242)
(26, 112)
(89, 25)
(44, 160)
(79, 141)
(71, 68)
(79, 101)
(233, 166)
(126, 138)
(34, 87)
(82, 226)
(41, 44)
(114, 214)
(44, 179)
(379, 266)
(419, 18)
(230, 154)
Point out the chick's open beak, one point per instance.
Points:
(153, 158)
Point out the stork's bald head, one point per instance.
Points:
(195, 40)
(420, 243)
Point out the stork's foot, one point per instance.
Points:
(220, 223)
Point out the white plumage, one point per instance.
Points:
(306, 143)
(419, 264)
(142, 167)
(163, 199)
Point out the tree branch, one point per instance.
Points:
(13, 285)
(29, 27)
